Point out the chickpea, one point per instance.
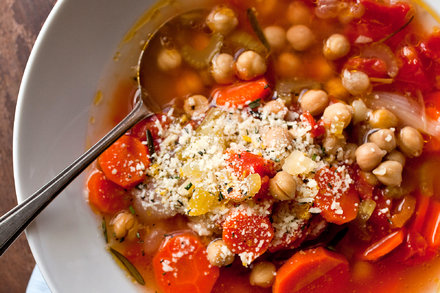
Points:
(355, 82)
(383, 118)
(298, 13)
(168, 60)
(338, 113)
(336, 46)
(263, 274)
(410, 142)
(275, 107)
(335, 88)
(222, 20)
(332, 144)
(196, 105)
(360, 111)
(396, 156)
(314, 102)
(276, 37)
(384, 139)
(282, 186)
(219, 254)
(122, 223)
(288, 64)
(250, 65)
(368, 156)
(277, 137)
(222, 70)
(389, 173)
(300, 37)
(369, 177)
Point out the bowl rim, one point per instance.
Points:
(18, 125)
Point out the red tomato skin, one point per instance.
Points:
(379, 20)
(181, 265)
(373, 67)
(412, 70)
(430, 48)
(105, 195)
(246, 163)
(318, 128)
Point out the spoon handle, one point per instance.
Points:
(18, 218)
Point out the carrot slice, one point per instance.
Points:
(431, 230)
(422, 205)
(337, 200)
(105, 195)
(383, 246)
(181, 265)
(313, 270)
(125, 162)
(242, 93)
(246, 231)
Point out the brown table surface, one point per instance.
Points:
(20, 22)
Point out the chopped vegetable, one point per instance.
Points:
(181, 265)
(245, 232)
(336, 198)
(313, 270)
(241, 94)
(125, 162)
(431, 226)
(201, 59)
(383, 246)
(407, 109)
(105, 195)
(246, 163)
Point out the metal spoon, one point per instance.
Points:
(18, 218)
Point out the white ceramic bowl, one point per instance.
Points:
(70, 56)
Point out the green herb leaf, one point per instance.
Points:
(254, 104)
(150, 143)
(397, 31)
(129, 266)
(104, 230)
(257, 28)
(188, 186)
(132, 211)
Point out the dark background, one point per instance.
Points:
(20, 23)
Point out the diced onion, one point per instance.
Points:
(366, 209)
(407, 109)
(297, 163)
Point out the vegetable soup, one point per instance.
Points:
(297, 152)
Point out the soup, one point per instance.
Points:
(297, 152)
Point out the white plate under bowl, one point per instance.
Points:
(74, 47)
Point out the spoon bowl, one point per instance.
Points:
(17, 219)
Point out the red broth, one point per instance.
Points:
(391, 247)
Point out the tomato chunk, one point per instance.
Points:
(125, 162)
(373, 67)
(181, 265)
(337, 198)
(246, 231)
(318, 128)
(246, 163)
(242, 93)
(379, 20)
(105, 195)
(313, 270)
